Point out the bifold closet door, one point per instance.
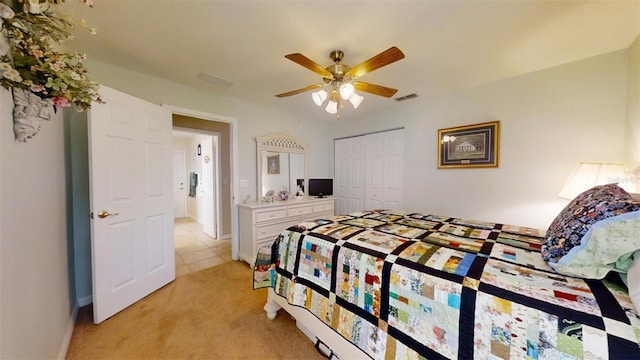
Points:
(349, 172)
(383, 170)
(368, 172)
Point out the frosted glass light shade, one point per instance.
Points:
(356, 100)
(587, 175)
(319, 97)
(332, 107)
(346, 90)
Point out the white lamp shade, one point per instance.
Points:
(332, 107)
(356, 100)
(587, 175)
(346, 90)
(319, 97)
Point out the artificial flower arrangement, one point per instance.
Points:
(36, 64)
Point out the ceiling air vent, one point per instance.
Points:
(212, 79)
(407, 97)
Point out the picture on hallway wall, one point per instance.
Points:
(469, 146)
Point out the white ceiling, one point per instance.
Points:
(448, 45)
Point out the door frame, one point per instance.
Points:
(234, 165)
(215, 142)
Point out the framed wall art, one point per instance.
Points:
(469, 146)
(273, 164)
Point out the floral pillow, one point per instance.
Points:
(574, 221)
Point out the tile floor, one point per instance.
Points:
(196, 250)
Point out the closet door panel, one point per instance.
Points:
(393, 170)
(342, 175)
(349, 171)
(369, 172)
(374, 170)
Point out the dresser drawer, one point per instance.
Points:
(273, 214)
(272, 230)
(322, 207)
(300, 210)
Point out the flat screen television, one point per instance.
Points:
(320, 187)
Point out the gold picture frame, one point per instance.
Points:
(469, 146)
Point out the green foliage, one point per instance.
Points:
(34, 61)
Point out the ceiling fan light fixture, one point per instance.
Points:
(332, 107)
(356, 100)
(319, 97)
(346, 90)
(337, 79)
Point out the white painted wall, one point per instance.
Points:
(632, 149)
(550, 120)
(35, 283)
(195, 205)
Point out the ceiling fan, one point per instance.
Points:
(340, 78)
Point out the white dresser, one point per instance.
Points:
(260, 224)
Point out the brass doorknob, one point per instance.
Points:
(104, 213)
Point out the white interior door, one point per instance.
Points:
(349, 171)
(393, 169)
(356, 175)
(130, 161)
(179, 183)
(374, 183)
(341, 173)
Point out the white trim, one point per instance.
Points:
(68, 333)
(87, 300)
(369, 133)
(216, 139)
(234, 165)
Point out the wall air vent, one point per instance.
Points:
(212, 79)
(407, 97)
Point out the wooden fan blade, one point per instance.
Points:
(294, 92)
(385, 58)
(374, 89)
(309, 64)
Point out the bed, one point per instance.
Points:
(399, 285)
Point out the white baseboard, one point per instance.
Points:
(85, 301)
(66, 340)
(195, 219)
(68, 333)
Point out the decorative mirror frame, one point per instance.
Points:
(279, 142)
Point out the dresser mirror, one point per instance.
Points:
(282, 164)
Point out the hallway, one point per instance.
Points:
(195, 250)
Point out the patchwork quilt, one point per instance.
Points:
(409, 286)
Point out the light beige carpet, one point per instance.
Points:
(211, 314)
